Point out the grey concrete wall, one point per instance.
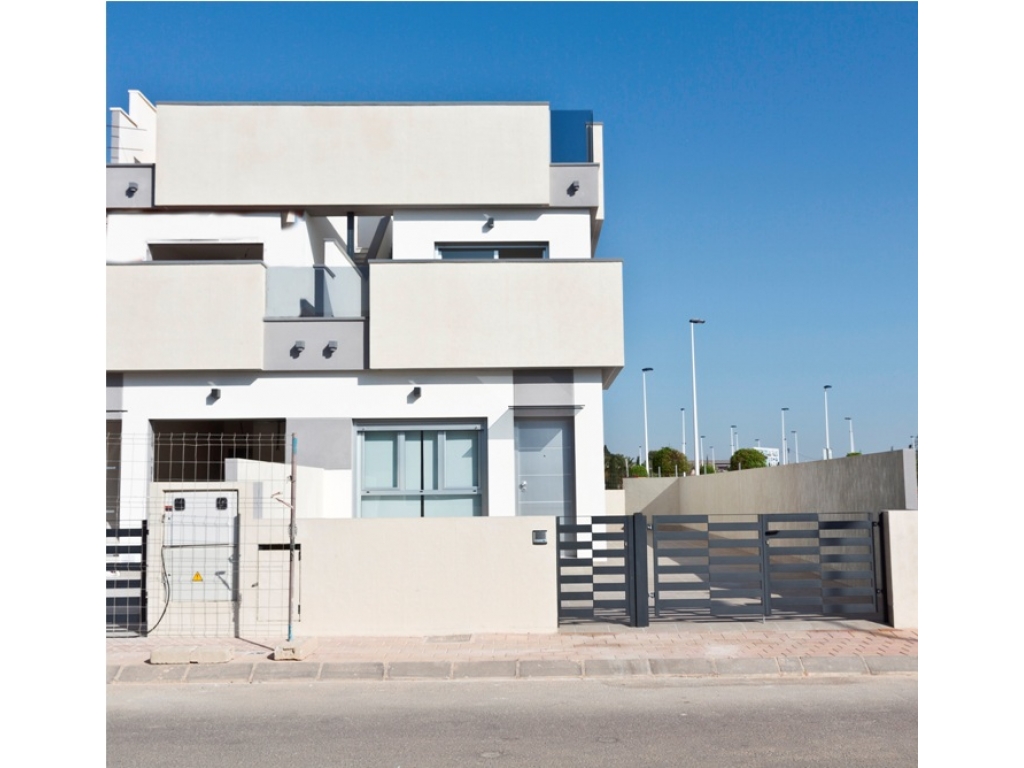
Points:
(119, 180)
(868, 483)
(575, 185)
(901, 527)
(323, 443)
(279, 337)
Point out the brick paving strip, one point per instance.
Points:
(680, 650)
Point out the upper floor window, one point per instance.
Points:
(206, 251)
(468, 251)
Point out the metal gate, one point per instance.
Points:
(602, 569)
(768, 565)
(126, 580)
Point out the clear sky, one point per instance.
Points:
(761, 173)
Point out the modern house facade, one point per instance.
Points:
(410, 289)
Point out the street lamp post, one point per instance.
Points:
(828, 446)
(733, 444)
(702, 462)
(647, 447)
(693, 365)
(796, 447)
(785, 444)
(682, 418)
(852, 449)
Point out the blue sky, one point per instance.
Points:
(761, 167)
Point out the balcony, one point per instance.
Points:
(166, 316)
(497, 314)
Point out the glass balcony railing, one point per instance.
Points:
(570, 141)
(335, 291)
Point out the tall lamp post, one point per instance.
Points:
(647, 448)
(702, 462)
(733, 442)
(796, 447)
(852, 449)
(682, 417)
(785, 444)
(693, 365)
(828, 446)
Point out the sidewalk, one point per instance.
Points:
(704, 649)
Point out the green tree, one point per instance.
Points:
(615, 468)
(748, 458)
(670, 461)
(638, 470)
(707, 468)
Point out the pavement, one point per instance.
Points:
(770, 649)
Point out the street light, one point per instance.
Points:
(702, 461)
(682, 415)
(693, 365)
(852, 449)
(828, 446)
(785, 445)
(733, 443)
(796, 447)
(647, 447)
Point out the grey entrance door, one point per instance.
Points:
(545, 462)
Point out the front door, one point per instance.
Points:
(545, 467)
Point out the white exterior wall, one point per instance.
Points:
(417, 231)
(484, 396)
(129, 234)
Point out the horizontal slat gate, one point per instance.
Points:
(767, 565)
(126, 580)
(593, 568)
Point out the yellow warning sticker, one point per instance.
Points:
(197, 577)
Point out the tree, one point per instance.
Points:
(748, 458)
(670, 461)
(615, 468)
(707, 468)
(638, 470)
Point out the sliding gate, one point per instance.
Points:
(768, 565)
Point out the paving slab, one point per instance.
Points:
(354, 670)
(747, 666)
(616, 667)
(112, 670)
(219, 673)
(688, 667)
(549, 668)
(790, 665)
(435, 670)
(884, 664)
(269, 671)
(148, 673)
(834, 665)
(473, 669)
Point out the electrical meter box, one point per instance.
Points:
(200, 545)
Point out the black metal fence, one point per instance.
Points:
(126, 580)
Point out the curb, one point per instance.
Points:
(532, 669)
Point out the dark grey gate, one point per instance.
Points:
(126, 580)
(767, 565)
(602, 569)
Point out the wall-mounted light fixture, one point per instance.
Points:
(331, 348)
(214, 395)
(489, 224)
(297, 347)
(416, 392)
(573, 189)
(132, 189)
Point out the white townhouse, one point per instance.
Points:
(409, 288)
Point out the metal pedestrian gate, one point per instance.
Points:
(795, 565)
(768, 565)
(602, 569)
(126, 580)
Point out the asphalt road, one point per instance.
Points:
(842, 722)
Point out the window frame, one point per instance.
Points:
(495, 249)
(399, 490)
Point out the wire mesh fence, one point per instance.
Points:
(216, 559)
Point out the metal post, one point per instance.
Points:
(693, 365)
(785, 445)
(828, 446)
(682, 415)
(637, 542)
(796, 447)
(647, 446)
(291, 539)
(852, 449)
